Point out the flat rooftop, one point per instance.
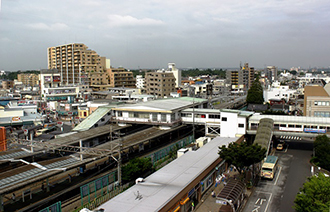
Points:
(162, 186)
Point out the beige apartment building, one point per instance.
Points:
(160, 83)
(76, 63)
(119, 77)
(28, 79)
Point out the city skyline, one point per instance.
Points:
(152, 33)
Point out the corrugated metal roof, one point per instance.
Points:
(84, 135)
(163, 104)
(93, 118)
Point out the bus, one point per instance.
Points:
(269, 167)
(45, 130)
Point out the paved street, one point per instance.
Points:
(278, 194)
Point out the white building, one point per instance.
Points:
(176, 73)
(140, 82)
(277, 91)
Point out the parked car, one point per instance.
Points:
(280, 146)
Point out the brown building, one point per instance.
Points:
(28, 79)
(75, 62)
(7, 84)
(316, 101)
(119, 77)
(160, 83)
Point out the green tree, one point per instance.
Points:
(322, 152)
(315, 195)
(255, 93)
(135, 168)
(242, 155)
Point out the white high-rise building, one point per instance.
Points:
(140, 82)
(176, 73)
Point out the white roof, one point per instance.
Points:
(163, 104)
(165, 184)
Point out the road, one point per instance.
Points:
(278, 195)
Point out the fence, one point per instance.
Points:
(156, 156)
(53, 208)
(102, 199)
(98, 187)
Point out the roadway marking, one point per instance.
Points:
(278, 175)
(262, 200)
(268, 202)
(256, 209)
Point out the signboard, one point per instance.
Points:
(47, 78)
(67, 107)
(59, 123)
(15, 118)
(69, 113)
(56, 79)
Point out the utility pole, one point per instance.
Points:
(115, 146)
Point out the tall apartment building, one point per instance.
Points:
(271, 73)
(75, 62)
(160, 83)
(28, 79)
(119, 77)
(240, 80)
(248, 76)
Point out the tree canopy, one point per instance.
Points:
(255, 93)
(315, 195)
(322, 152)
(242, 155)
(135, 168)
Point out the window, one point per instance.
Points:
(120, 114)
(241, 125)
(224, 119)
(163, 117)
(154, 117)
(212, 116)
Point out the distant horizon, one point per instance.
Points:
(200, 33)
(189, 68)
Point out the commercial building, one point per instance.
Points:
(7, 84)
(316, 102)
(76, 62)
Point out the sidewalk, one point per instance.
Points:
(207, 203)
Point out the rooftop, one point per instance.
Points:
(160, 187)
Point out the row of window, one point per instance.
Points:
(321, 114)
(297, 126)
(322, 103)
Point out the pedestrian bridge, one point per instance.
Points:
(283, 125)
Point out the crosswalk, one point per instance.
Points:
(286, 137)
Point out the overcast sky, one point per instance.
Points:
(151, 33)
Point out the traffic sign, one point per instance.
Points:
(60, 123)
(26, 131)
